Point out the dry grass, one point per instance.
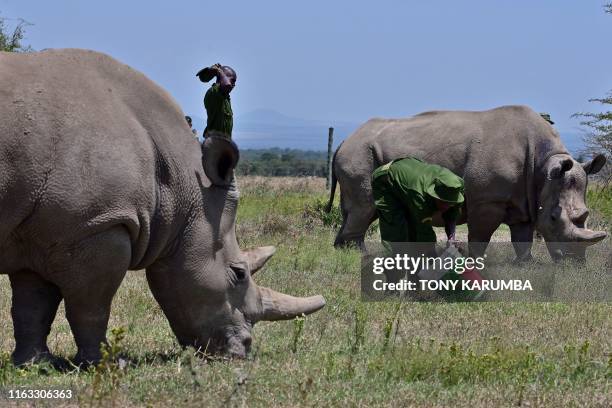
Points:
(275, 185)
(351, 353)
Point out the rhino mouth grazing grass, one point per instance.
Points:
(100, 174)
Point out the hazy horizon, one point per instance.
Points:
(343, 62)
(266, 128)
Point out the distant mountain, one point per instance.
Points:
(268, 116)
(266, 128)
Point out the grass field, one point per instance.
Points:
(349, 354)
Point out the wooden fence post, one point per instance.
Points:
(330, 142)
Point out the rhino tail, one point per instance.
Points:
(334, 182)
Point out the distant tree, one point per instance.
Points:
(12, 42)
(598, 138)
(287, 157)
(267, 156)
(282, 162)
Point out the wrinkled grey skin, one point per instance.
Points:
(516, 171)
(98, 176)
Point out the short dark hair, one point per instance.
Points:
(229, 71)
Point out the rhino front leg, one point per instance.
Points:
(34, 305)
(522, 240)
(88, 318)
(89, 282)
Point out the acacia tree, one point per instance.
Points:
(12, 42)
(598, 138)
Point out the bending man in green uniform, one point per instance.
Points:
(408, 192)
(217, 100)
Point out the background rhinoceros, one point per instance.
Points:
(99, 173)
(515, 167)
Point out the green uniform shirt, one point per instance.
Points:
(411, 178)
(219, 111)
(400, 193)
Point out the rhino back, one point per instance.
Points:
(87, 142)
(500, 139)
(497, 151)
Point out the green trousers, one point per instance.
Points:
(396, 223)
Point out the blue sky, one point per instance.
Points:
(350, 60)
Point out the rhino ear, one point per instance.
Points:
(220, 156)
(593, 166)
(558, 167)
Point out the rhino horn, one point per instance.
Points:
(278, 306)
(257, 257)
(588, 236)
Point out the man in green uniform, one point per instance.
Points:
(217, 100)
(408, 192)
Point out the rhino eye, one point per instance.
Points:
(240, 271)
(556, 213)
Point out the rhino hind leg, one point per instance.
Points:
(482, 222)
(34, 306)
(91, 272)
(355, 224)
(522, 239)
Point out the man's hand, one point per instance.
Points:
(449, 228)
(208, 73)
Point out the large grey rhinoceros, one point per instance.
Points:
(515, 167)
(99, 174)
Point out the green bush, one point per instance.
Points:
(316, 211)
(599, 201)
